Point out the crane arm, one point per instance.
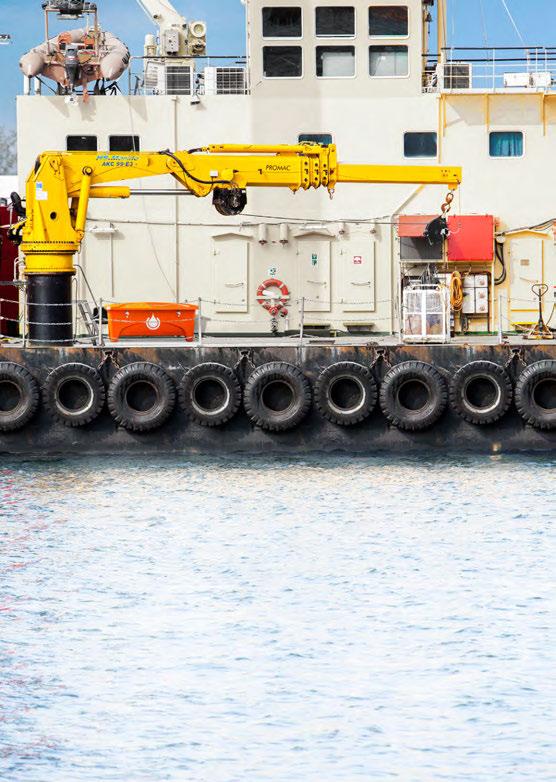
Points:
(61, 184)
(162, 12)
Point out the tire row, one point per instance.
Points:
(277, 396)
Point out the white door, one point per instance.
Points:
(231, 274)
(313, 257)
(525, 264)
(357, 260)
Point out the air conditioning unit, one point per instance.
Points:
(225, 81)
(541, 80)
(455, 76)
(426, 313)
(160, 78)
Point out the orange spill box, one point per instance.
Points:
(151, 319)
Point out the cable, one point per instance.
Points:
(499, 247)
(456, 292)
(189, 174)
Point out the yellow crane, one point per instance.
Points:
(62, 183)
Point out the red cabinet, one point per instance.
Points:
(471, 238)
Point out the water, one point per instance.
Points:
(287, 620)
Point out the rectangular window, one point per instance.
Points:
(282, 62)
(124, 144)
(336, 61)
(82, 144)
(324, 139)
(282, 22)
(388, 61)
(506, 144)
(420, 145)
(335, 21)
(388, 21)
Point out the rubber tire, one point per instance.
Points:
(263, 416)
(362, 376)
(131, 418)
(86, 374)
(530, 411)
(23, 412)
(462, 406)
(402, 417)
(223, 375)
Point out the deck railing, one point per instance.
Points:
(499, 69)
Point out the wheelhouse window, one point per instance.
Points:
(388, 61)
(336, 62)
(282, 22)
(506, 144)
(282, 62)
(420, 145)
(335, 21)
(124, 144)
(388, 21)
(82, 144)
(324, 139)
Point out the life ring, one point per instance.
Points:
(346, 393)
(481, 392)
(277, 396)
(210, 394)
(535, 394)
(275, 306)
(141, 397)
(19, 396)
(413, 396)
(74, 394)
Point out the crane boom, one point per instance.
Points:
(61, 184)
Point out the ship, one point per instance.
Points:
(314, 322)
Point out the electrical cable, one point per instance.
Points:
(499, 247)
(188, 174)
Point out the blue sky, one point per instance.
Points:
(536, 20)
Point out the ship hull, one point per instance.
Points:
(45, 437)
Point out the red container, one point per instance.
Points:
(151, 319)
(471, 238)
(9, 295)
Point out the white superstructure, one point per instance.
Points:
(358, 73)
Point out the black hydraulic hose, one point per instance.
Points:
(188, 174)
(500, 257)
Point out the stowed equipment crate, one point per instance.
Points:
(151, 319)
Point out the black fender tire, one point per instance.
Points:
(19, 396)
(481, 392)
(535, 395)
(277, 396)
(141, 397)
(346, 393)
(210, 394)
(74, 394)
(413, 396)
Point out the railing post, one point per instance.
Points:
(24, 324)
(100, 335)
(301, 319)
(200, 318)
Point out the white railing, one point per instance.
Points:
(501, 69)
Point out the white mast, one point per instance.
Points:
(176, 37)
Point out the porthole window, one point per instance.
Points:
(388, 21)
(335, 21)
(282, 62)
(336, 62)
(420, 145)
(388, 61)
(282, 22)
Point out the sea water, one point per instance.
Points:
(296, 620)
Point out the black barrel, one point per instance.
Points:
(50, 311)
